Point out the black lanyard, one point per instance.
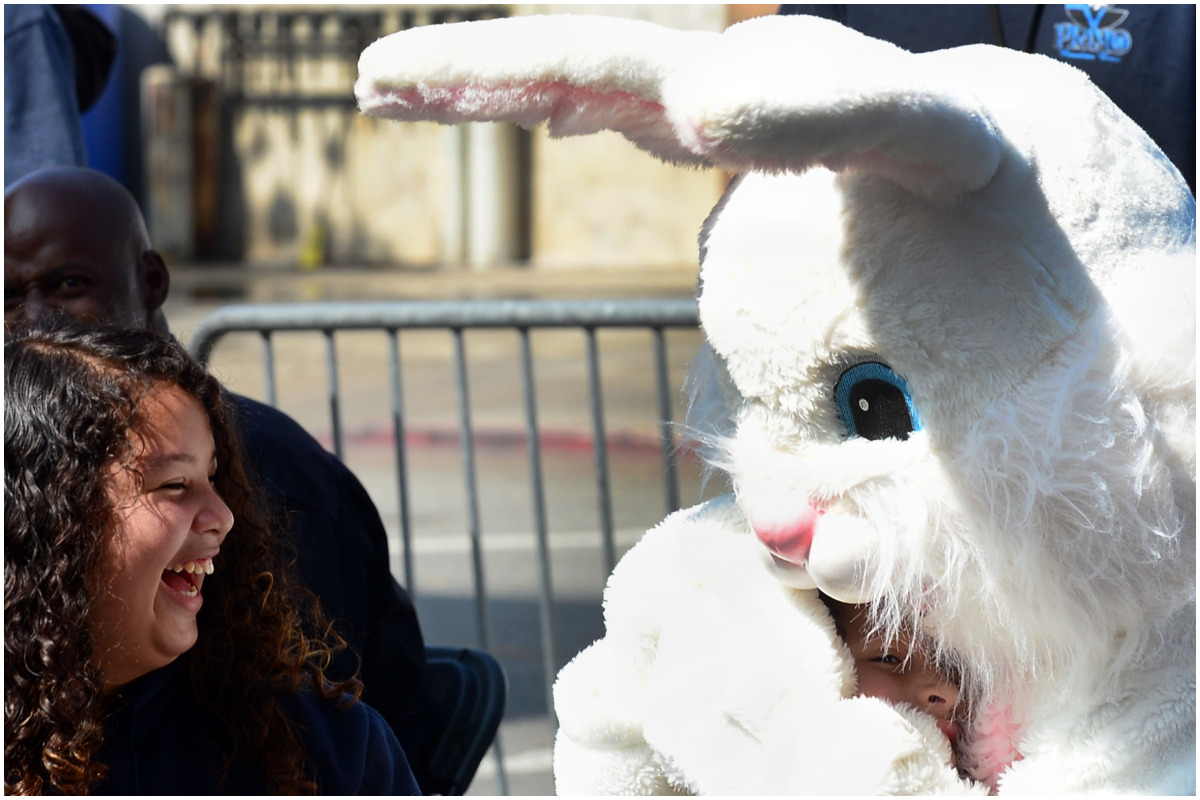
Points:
(998, 29)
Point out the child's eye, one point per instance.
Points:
(174, 486)
(889, 659)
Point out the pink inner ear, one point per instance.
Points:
(523, 103)
(569, 109)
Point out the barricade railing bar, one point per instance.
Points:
(392, 318)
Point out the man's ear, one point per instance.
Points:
(155, 282)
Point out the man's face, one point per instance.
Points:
(62, 257)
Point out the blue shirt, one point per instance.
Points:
(159, 741)
(41, 108)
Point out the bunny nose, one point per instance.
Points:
(788, 533)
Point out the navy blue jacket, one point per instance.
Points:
(342, 554)
(41, 110)
(159, 741)
(1142, 56)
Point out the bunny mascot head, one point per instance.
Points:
(949, 313)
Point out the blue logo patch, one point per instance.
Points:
(1092, 33)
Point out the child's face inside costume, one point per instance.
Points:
(899, 672)
(168, 526)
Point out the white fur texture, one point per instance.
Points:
(715, 679)
(999, 234)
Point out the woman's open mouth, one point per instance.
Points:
(185, 577)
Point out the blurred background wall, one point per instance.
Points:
(236, 128)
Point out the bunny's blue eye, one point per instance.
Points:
(875, 403)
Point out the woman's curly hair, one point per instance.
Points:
(71, 398)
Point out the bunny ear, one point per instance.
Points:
(789, 93)
(774, 93)
(580, 74)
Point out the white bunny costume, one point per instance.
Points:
(949, 306)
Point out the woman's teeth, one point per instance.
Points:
(202, 566)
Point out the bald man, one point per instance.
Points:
(75, 243)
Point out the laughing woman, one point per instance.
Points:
(153, 641)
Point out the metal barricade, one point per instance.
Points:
(522, 317)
